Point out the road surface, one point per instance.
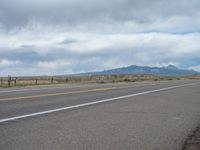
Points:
(131, 116)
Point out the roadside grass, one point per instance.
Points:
(101, 79)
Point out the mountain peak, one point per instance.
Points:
(136, 70)
(171, 67)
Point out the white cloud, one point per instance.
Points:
(8, 63)
(50, 37)
(52, 65)
(197, 68)
(68, 52)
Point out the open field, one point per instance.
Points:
(46, 80)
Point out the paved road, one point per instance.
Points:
(136, 116)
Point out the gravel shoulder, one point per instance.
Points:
(193, 141)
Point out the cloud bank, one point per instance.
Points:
(52, 37)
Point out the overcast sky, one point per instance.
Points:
(49, 37)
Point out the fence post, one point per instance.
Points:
(52, 80)
(9, 81)
(66, 79)
(15, 81)
(1, 82)
(36, 81)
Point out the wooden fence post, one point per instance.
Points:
(1, 82)
(15, 81)
(36, 81)
(66, 79)
(9, 81)
(52, 80)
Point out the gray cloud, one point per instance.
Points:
(102, 52)
(70, 36)
(19, 13)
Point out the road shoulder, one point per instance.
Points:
(193, 141)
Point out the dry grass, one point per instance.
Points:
(29, 81)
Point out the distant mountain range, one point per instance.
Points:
(133, 70)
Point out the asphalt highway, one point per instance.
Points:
(120, 116)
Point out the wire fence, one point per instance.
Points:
(45, 80)
(29, 81)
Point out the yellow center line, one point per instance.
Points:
(67, 93)
(56, 94)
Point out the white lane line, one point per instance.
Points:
(92, 103)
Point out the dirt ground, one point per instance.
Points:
(193, 142)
